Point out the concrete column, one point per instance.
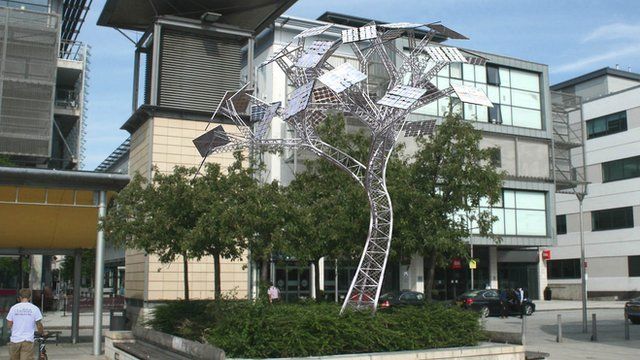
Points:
(542, 276)
(75, 307)
(493, 266)
(416, 273)
(35, 274)
(99, 281)
(312, 282)
(321, 273)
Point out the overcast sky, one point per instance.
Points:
(573, 37)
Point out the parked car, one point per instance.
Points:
(400, 299)
(632, 310)
(487, 302)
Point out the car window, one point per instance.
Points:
(387, 296)
(473, 293)
(490, 294)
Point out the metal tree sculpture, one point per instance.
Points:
(321, 87)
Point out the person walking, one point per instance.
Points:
(520, 297)
(274, 294)
(23, 319)
(504, 304)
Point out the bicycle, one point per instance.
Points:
(41, 340)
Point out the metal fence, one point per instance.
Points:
(28, 56)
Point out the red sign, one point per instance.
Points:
(456, 264)
(546, 254)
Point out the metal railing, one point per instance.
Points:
(71, 50)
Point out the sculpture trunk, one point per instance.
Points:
(367, 282)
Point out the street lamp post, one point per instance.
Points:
(583, 265)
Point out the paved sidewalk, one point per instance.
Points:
(80, 351)
(557, 305)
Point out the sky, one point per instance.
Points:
(573, 37)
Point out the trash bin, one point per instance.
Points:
(117, 320)
(547, 293)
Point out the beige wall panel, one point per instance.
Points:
(608, 266)
(533, 159)
(594, 173)
(507, 151)
(633, 118)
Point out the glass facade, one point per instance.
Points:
(563, 269)
(514, 93)
(611, 219)
(519, 213)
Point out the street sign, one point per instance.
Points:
(472, 264)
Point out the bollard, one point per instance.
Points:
(559, 336)
(524, 328)
(594, 328)
(626, 328)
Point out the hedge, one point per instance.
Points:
(259, 330)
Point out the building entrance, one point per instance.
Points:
(294, 281)
(515, 275)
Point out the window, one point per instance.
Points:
(455, 70)
(563, 269)
(621, 169)
(520, 213)
(607, 125)
(561, 224)
(610, 219)
(493, 75)
(634, 265)
(495, 115)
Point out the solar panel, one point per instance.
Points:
(419, 128)
(318, 30)
(316, 118)
(447, 32)
(268, 113)
(445, 54)
(210, 140)
(299, 100)
(396, 101)
(350, 35)
(407, 91)
(358, 34)
(314, 54)
(323, 95)
(472, 95)
(342, 77)
(281, 53)
(401, 25)
(392, 34)
(474, 60)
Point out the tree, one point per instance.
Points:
(156, 218)
(438, 192)
(87, 266)
(4, 161)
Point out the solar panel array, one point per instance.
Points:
(419, 128)
(323, 95)
(267, 114)
(358, 34)
(472, 95)
(299, 100)
(283, 52)
(451, 34)
(342, 77)
(318, 30)
(210, 140)
(402, 97)
(401, 25)
(314, 54)
(445, 54)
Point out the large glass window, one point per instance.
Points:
(634, 265)
(621, 169)
(610, 219)
(493, 75)
(520, 213)
(563, 269)
(561, 224)
(607, 125)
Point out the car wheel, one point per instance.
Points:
(484, 312)
(635, 320)
(528, 309)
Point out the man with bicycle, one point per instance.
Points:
(23, 319)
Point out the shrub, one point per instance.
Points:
(261, 330)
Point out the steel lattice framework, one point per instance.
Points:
(323, 88)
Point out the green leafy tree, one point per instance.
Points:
(437, 193)
(87, 266)
(157, 219)
(4, 161)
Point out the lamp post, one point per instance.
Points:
(580, 194)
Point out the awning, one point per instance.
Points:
(252, 15)
(46, 210)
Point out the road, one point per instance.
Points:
(541, 333)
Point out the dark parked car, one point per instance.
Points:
(400, 298)
(632, 310)
(487, 302)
